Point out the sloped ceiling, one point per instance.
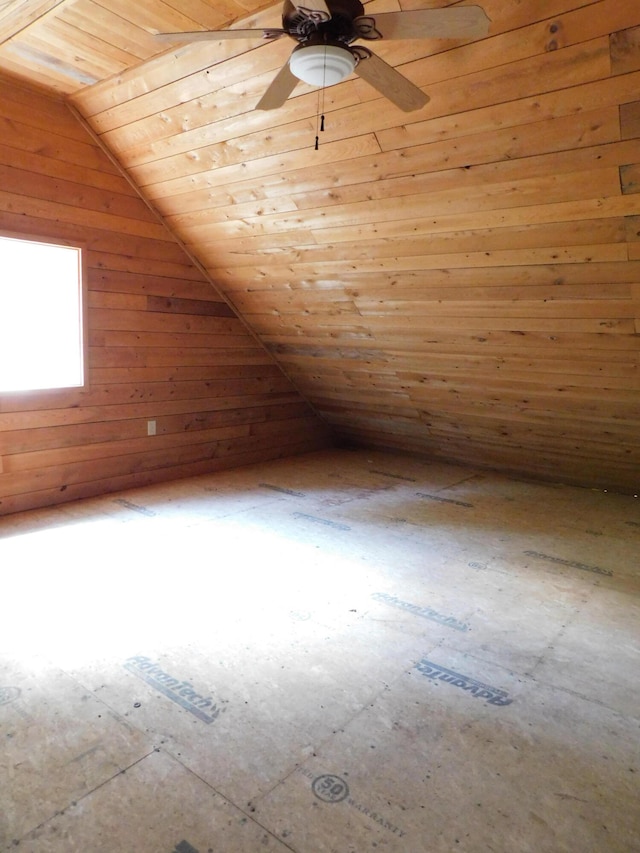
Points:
(461, 281)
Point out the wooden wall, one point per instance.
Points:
(461, 281)
(163, 344)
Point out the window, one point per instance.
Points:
(41, 315)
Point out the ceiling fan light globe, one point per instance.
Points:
(322, 64)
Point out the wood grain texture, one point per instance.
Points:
(461, 281)
(163, 344)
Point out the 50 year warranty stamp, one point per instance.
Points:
(330, 789)
(333, 789)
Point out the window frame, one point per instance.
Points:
(81, 246)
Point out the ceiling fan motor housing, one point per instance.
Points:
(305, 25)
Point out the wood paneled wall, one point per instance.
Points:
(163, 344)
(460, 281)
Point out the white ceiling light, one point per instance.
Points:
(322, 64)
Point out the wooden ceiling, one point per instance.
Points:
(461, 281)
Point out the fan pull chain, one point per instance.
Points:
(320, 111)
(317, 114)
(321, 129)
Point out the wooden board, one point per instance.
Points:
(454, 260)
(164, 345)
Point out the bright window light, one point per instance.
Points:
(41, 328)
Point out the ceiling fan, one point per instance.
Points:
(325, 31)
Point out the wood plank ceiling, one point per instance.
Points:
(461, 281)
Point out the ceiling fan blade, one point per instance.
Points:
(217, 35)
(279, 89)
(390, 83)
(450, 23)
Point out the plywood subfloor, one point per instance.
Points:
(338, 653)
